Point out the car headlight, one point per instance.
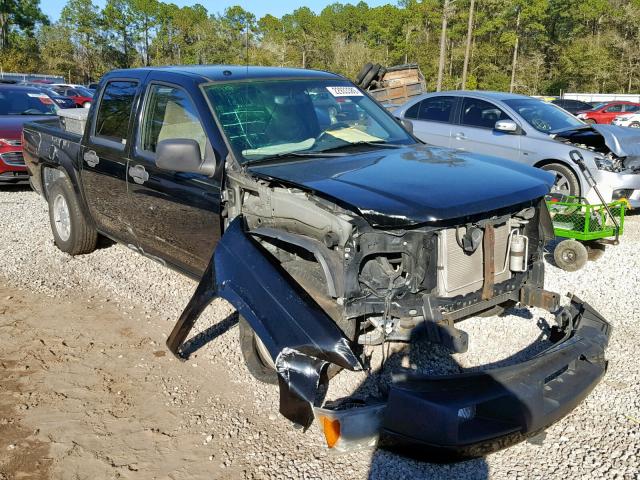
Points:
(603, 163)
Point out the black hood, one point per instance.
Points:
(414, 184)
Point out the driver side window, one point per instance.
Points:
(170, 114)
(614, 108)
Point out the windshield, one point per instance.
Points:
(25, 102)
(266, 119)
(544, 117)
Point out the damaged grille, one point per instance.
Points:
(460, 273)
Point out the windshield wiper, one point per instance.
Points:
(292, 155)
(364, 142)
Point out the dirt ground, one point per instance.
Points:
(82, 410)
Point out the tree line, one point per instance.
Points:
(526, 46)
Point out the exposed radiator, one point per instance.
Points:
(460, 273)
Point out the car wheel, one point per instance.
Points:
(566, 181)
(255, 354)
(86, 104)
(72, 233)
(634, 124)
(570, 255)
(363, 71)
(370, 76)
(590, 121)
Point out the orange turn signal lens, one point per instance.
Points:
(331, 430)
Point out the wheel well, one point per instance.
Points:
(549, 161)
(50, 175)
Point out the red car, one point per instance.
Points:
(18, 105)
(607, 111)
(80, 95)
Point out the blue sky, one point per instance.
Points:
(278, 8)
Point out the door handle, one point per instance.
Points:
(91, 158)
(460, 136)
(139, 174)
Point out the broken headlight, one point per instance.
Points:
(603, 163)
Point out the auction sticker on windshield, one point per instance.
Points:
(344, 91)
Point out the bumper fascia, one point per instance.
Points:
(472, 414)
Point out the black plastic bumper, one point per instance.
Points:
(472, 414)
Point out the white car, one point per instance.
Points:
(627, 120)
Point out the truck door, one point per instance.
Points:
(104, 159)
(178, 214)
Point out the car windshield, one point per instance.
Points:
(25, 102)
(270, 119)
(544, 117)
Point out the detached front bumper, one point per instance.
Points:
(472, 414)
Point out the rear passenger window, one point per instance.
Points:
(436, 109)
(478, 113)
(114, 111)
(631, 108)
(170, 114)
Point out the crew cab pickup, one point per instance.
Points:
(296, 197)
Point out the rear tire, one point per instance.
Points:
(590, 121)
(570, 255)
(370, 76)
(567, 182)
(86, 104)
(72, 232)
(634, 124)
(363, 71)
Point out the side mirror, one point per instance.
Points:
(407, 124)
(506, 126)
(182, 155)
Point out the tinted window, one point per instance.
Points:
(436, 109)
(170, 114)
(115, 109)
(412, 111)
(614, 108)
(478, 113)
(631, 108)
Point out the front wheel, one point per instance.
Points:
(72, 233)
(255, 354)
(566, 181)
(570, 255)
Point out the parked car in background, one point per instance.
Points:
(531, 131)
(18, 105)
(572, 106)
(80, 95)
(606, 112)
(92, 86)
(627, 120)
(61, 100)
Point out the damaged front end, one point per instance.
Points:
(472, 414)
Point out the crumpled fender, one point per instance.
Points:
(301, 338)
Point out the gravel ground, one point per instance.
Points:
(600, 439)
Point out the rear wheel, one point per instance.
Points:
(566, 181)
(86, 104)
(72, 233)
(634, 124)
(570, 255)
(590, 121)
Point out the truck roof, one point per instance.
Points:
(236, 72)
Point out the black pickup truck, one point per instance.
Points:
(296, 197)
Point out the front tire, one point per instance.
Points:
(256, 357)
(566, 181)
(72, 233)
